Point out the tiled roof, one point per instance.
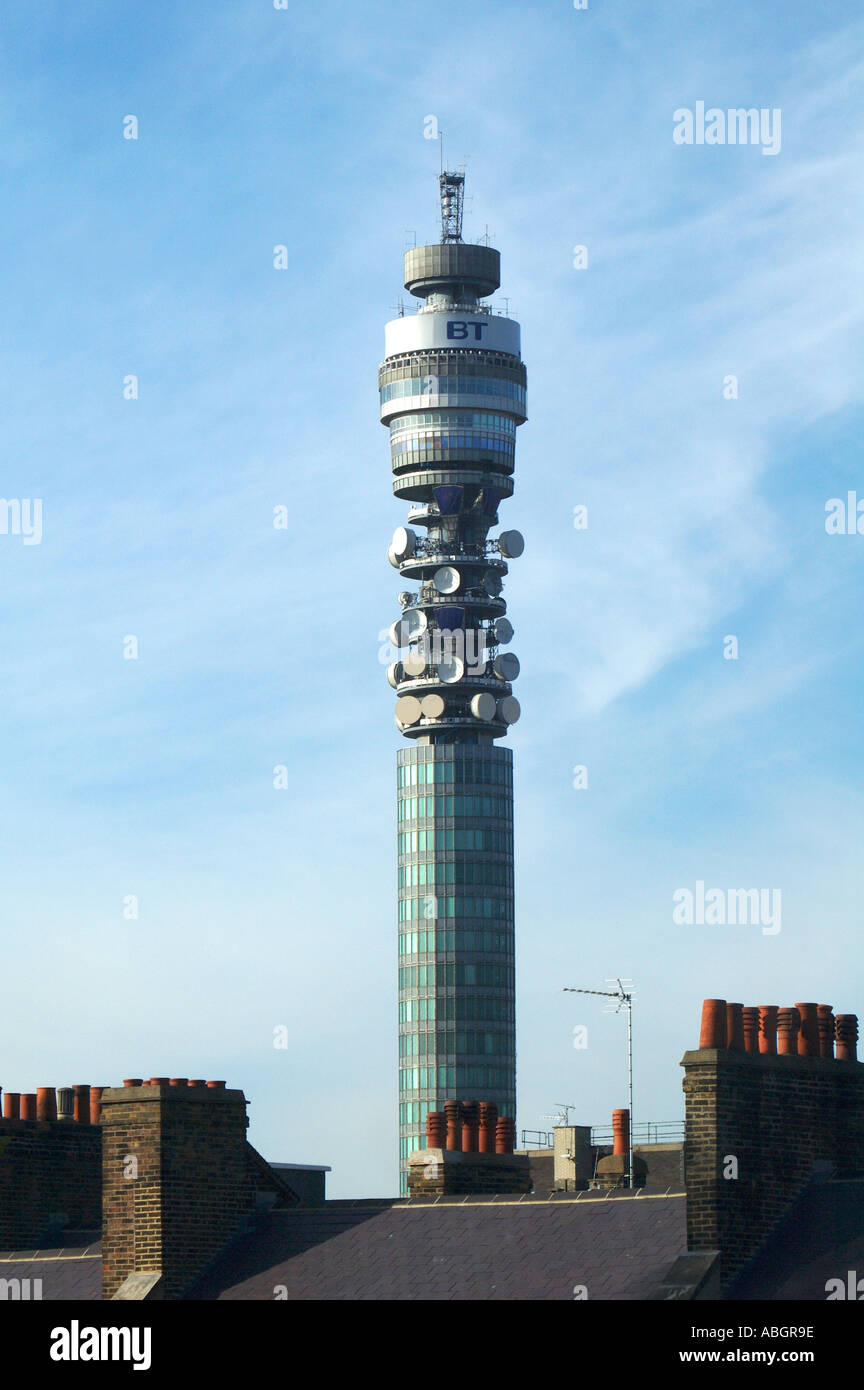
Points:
(73, 1272)
(617, 1247)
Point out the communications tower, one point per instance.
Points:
(452, 392)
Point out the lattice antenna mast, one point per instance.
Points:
(452, 198)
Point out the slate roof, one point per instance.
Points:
(71, 1272)
(616, 1247)
(821, 1238)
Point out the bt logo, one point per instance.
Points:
(458, 328)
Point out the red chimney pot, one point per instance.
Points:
(808, 1038)
(768, 1029)
(81, 1104)
(750, 1025)
(46, 1103)
(735, 1027)
(96, 1104)
(846, 1026)
(713, 1032)
(788, 1023)
(826, 1030)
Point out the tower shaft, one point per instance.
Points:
(452, 393)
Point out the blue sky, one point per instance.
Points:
(257, 647)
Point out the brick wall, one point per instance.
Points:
(47, 1168)
(177, 1183)
(776, 1116)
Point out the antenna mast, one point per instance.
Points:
(452, 194)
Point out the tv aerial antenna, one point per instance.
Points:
(562, 1115)
(619, 999)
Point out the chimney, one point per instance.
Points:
(46, 1103)
(469, 1151)
(846, 1028)
(176, 1181)
(470, 1122)
(768, 1029)
(453, 1122)
(713, 1032)
(488, 1126)
(788, 1023)
(436, 1130)
(735, 1027)
(614, 1169)
(750, 1023)
(826, 1030)
(776, 1112)
(81, 1104)
(47, 1166)
(808, 1037)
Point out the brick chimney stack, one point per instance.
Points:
(176, 1185)
(469, 1148)
(758, 1121)
(49, 1169)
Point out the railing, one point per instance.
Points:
(650, 1132)
(537, 1139)
(453, 553)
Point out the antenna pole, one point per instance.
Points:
(630, 1081)
(625, 1000)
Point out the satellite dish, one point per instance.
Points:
(450, 670)
(407, 709)
(406, 598)
(398, 633)
(417, 623)
(392, 557)
(506, 666)
(414, 664)
(491, 582)
(503, 630)
(404, 541)
(483, 707)
(432, 706)
(509, 709)
(395, 673)
(447, 579)
(511, 544)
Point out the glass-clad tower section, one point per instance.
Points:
(452, 389)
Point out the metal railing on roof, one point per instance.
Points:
(650, 1132)
(537, 1139)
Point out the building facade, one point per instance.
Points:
(452, 394)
